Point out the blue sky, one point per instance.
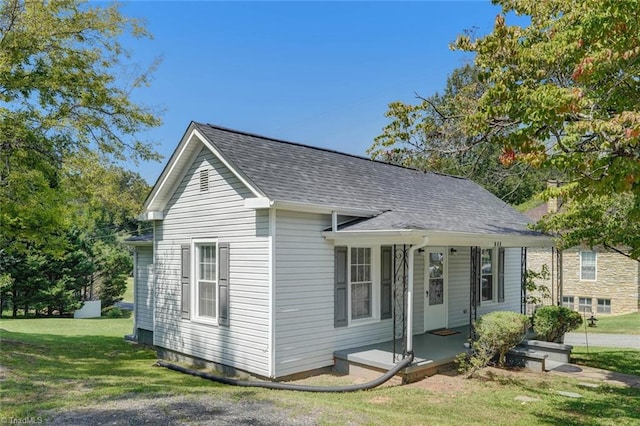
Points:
(318, 73)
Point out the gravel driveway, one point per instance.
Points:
(182, 410)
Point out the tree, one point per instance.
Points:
(568, 86)
(431, 135)
(60, 97)
(65, 114)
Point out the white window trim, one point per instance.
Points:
(595, 266)
(195, 243)
(494, 274)
(375, 287)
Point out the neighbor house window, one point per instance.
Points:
(584, 304)
(487, 275)
(588, 265)
(568, 302)
(205, 280)
(604, 306)
(361, 283)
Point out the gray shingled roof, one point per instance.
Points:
(405, 198)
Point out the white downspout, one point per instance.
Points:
(412, 251)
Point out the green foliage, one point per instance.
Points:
(496, 333)
(537, 293)
(113, 312)
(550, 323)
(431, 135)
(567, 86)
(596, 220)
(115, 264)
(66, 116)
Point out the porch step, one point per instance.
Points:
(538, 355)
(555, 351)
(530, 359)
(372, 363)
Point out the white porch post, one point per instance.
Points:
(412, 251)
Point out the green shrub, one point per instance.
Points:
(550, 323)
(496, 333)
(113, 312)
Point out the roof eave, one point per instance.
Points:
(440, 238)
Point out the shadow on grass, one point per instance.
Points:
(625, 361)
(41, 371)
(603, 403)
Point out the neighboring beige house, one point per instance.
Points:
(598, 280)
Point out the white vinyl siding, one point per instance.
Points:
(459, 286)
(218, 214)
(143, 287)
(304, 313)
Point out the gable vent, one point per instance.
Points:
(204, 180)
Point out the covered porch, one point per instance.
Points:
(435, 351)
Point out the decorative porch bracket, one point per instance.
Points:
(559, 277)
(474, 288)
(400, 284)
(523, 280)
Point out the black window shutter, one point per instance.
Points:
(386, 273)
(185, 280)
(223, 284)
(501, 275)
(341, 288)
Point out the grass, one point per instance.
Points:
(55, 364)
(613, 359)
(619, 324)
(128, 294)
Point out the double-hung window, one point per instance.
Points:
(205, 281)
(487, 275)
(588, 261)
(361, 283)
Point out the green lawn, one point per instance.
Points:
(52, 363)
(619, 324)
(615, 359)
(128, 294)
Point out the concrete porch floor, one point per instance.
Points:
(432, 353)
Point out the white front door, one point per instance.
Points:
(435, 304)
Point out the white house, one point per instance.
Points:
(268, 256)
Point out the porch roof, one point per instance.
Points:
(410, 227)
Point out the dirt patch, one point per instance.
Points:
(180, 410)
(449, 383)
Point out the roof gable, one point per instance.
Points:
(174, 171)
